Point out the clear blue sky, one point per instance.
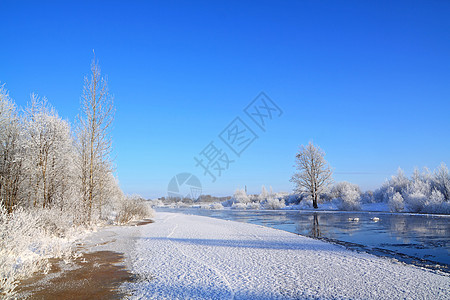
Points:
(368, 81)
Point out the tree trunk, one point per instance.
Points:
(315, 201)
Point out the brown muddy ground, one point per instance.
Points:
(142, 222)
(94, 275)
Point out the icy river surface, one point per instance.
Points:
(422, 240)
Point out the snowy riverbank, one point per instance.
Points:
(184, 256)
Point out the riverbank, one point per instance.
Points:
(422, 240)
(185, 256)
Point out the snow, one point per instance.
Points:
(185, 256)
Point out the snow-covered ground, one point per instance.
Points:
(191, 257)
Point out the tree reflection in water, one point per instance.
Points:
(315, 230)
(309, 226)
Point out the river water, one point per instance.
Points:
(423, 240)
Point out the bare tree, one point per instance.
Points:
(314, 173)
(94, 140)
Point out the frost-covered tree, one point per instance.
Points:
(240, 196)
(397, 184)
(424, 192)
(94, 140)
(49, 185)
(49, 161)
(348, 195)
(274, 203)
(442, 181)
(314, 173)
(263, 195)
(396, 203)
(11, 152)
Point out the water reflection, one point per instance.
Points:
(315, 230)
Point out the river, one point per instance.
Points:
(422, 240)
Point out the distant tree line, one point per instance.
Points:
(423, 192)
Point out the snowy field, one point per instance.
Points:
(193, 257)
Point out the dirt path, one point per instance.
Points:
(96, 274)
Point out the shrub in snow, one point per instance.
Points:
(306, 203)
(216, 206)
(424, 192)
(133, 208)
(239, 196)
(396, 203)
(397, 184)
(253, 198)
(436, 204)
(239, 206)
(347, 196)
(253, 205)
(263, 195)
(418, 191)
(415, 202)
(442, 181)
(367, 197)
(281, 195)
(274, 203)
(294, 199)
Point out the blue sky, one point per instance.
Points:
(368, 81)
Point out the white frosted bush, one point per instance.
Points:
(436, 204)
(133, 208)
(253, 205)
(306, 203)
(216, 205)
(239, 206)
(441, 180)
(28, 239)
(397, 184)
(273, 203)
(424, 192)
(347, 195)
(415, 202)
(240, 196)
(294, 198)
(367, 197)
(396, 203)
(263, 195)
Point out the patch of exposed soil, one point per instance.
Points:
(142, 222)
(95, 275)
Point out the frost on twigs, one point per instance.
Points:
(347, 196)
(424, 192)
(55, 182)
(28, 240)
(132, 208)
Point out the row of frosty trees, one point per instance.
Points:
(423, 192)
(43, 163)
(56, 181)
